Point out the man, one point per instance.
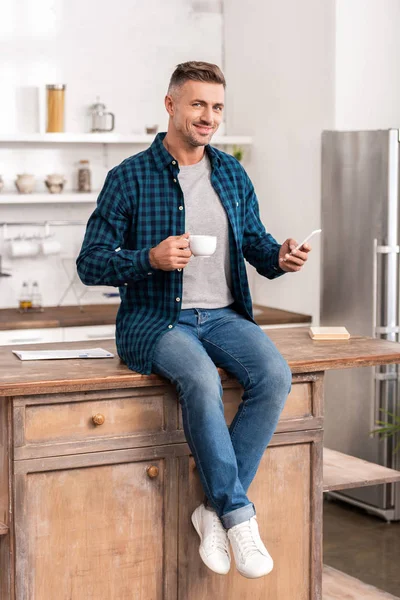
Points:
(183, 316)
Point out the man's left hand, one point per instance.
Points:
(293, 261)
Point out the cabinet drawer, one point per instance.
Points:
(90, 333)
(30, 336)
(303, 408)
(49, 425)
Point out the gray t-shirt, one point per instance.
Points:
(207, 281)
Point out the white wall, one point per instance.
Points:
(280, 89)
(125, 52)
(367, 64)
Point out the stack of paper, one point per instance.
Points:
(329, 333)
(51, 354)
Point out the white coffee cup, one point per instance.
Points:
(23, 248)
(202, 245)
(50, 246)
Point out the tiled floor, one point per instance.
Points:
(362, 545)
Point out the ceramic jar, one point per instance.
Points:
(55, 183)
(25, 183)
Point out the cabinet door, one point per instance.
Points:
(90, 531)
(89, 333)
(30, 336)
(287, 495)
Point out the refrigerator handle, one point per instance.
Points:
(386, 377)
(374, 286)
(374, 381)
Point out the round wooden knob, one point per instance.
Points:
(98, 419)
(152, 471)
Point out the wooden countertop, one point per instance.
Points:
(302, 353)
(104, 314)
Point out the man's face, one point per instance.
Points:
(197, 111)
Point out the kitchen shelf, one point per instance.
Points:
(47, 198)
(337, 586)
(342, 471)
(105, 138)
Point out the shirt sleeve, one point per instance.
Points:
(259, 248)
(104, 258)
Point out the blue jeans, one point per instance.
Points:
(188, 355)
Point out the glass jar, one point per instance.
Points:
(55, 107)
(36, 296)
(25, 298)
(84, 177)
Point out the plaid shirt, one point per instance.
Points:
(140, 205)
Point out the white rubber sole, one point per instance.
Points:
(203, 555)
(254, 576)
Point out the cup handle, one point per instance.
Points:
(112, 120)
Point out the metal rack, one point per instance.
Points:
(45, 224)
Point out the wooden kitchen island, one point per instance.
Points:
(98, 484)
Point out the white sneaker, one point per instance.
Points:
(214, 546)
(251, 556)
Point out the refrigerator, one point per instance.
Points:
(360, 290)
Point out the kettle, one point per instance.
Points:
(100, 117)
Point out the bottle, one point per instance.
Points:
(36, 302)
(84, 177)
(25, 301)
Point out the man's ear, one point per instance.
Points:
(169, 105)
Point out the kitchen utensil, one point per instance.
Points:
(100, 116)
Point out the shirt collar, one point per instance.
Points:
(162, 157)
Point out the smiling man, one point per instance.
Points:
(183, 316)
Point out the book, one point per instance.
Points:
(329, 333)
(54, 354)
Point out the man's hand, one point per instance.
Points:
(172, 253)
(292, 262)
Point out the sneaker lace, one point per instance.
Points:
(220, 537)
(246, 542)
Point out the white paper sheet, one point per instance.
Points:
(52, 354)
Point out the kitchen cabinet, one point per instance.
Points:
(30, 336)
(57, 334)
(89, 333)
(97, 483)
(96, 526)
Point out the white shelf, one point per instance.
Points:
(106, 138)
(47, 198)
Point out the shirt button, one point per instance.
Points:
(181, 208)
(179, 269)
(237, 203)
(178, 299)
(149, 273)
(174, 180)
(174, 162)
(125, 284)
(169, 326)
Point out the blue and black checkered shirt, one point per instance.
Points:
(137, 209)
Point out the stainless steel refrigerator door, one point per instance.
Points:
(359, 204)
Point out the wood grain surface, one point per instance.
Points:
(303, 354)
(342, 471)
(340, 586)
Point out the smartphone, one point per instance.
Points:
(306, 239)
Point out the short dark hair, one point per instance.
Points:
(196, 71)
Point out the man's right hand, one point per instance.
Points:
(172, 253)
